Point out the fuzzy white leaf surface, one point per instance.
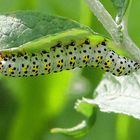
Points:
(119, 95)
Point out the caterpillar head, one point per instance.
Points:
(125, 67)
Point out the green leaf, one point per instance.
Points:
(82, 128)
(76, 131)
(22, 27)
(79, 130)
(121, 6)
(84, 108)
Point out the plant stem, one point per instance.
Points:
(105, 18)
(120, 37)
(129, 45)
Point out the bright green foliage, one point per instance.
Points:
(31, 107)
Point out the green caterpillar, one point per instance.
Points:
(64, 51)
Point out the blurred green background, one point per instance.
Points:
(30, 107)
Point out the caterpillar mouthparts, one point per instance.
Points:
(65, 52)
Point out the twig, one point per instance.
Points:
(105, 18)
(129, 45)
(111, 26)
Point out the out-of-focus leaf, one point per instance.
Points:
(39, 102)
(8, 108)
(76, 131)
(82, 128)
(84, 108)
(119, 95)
(121, 6)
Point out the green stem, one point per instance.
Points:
(122, 127)
(105, 18)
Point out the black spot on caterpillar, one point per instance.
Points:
(64, 51)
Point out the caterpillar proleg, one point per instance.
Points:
(64, 51)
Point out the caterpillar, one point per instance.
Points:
(64, 51)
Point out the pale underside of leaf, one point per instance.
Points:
(119, 95)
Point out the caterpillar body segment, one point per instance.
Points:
(64, 51)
